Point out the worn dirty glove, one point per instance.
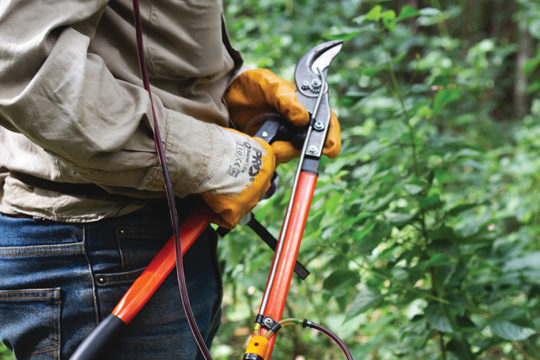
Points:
(244, 177)
(259, 91)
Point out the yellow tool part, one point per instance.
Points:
(257, 346)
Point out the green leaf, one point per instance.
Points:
(439, 260)
(358, 235)
(430, 12)
(532, 64)
(371, 240)
(370, 71)
(399, 218)
(414, 187)
(444, 97)
(510, 331)
(374, 14)
(340, 281)
(535, 86)
(332, 202)
(388, 15)
(461, 348)
(343, 33)
(437, 318)
(364, 301)
(407, 12)
(458, 209)
(528, 261)
(431, 202)
(400, 57)
(389, 20)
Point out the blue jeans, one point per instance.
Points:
(59, 280)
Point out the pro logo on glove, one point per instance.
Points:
(247, 159)
(242, 176)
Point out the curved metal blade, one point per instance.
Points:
(318, 57)
(324, 60)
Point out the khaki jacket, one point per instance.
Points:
(73, 111)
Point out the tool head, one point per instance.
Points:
(317, 59)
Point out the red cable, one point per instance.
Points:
(331, 335)
(170, 193)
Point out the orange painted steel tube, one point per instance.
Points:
(291, 243)
(155, 273)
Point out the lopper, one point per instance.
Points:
(310, 76)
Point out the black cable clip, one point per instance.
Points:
(268, 323)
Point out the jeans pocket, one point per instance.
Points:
(138, 244)
(120, 278)
(30, 321)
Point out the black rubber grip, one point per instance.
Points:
(250, 356)
(100, 339)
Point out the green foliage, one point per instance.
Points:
(423, 233)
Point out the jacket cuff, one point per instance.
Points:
(195, 152)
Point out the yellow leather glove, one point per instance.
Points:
(259, 91)
(243, 177)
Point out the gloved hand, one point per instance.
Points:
(244, 177)
(259, 91)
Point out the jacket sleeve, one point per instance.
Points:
(65, 100)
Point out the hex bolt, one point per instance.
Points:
(319, 126)
(268, 321)
(313, 149)
(305, 85)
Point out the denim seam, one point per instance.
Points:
(27, 298)
(39, 254)
(59, 327)
(30, 291)
(52, 250)
(45, 351)
(49, 344)
(94, 295)
(118, 245)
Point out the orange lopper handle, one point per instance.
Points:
(291, 243)
(155, 273)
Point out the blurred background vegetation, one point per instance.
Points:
(424, 234)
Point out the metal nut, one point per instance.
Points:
(319, 126)
(316, 84)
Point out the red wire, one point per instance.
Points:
(332, 336)
(169, 191)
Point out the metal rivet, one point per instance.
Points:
(264, 134)
(305, 85)
(319, 126)
(316, 84)
(122, 231)
(101, 280)
(313, 149)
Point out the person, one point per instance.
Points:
(82, 207)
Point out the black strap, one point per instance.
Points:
(270, 240)
(63, 188)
